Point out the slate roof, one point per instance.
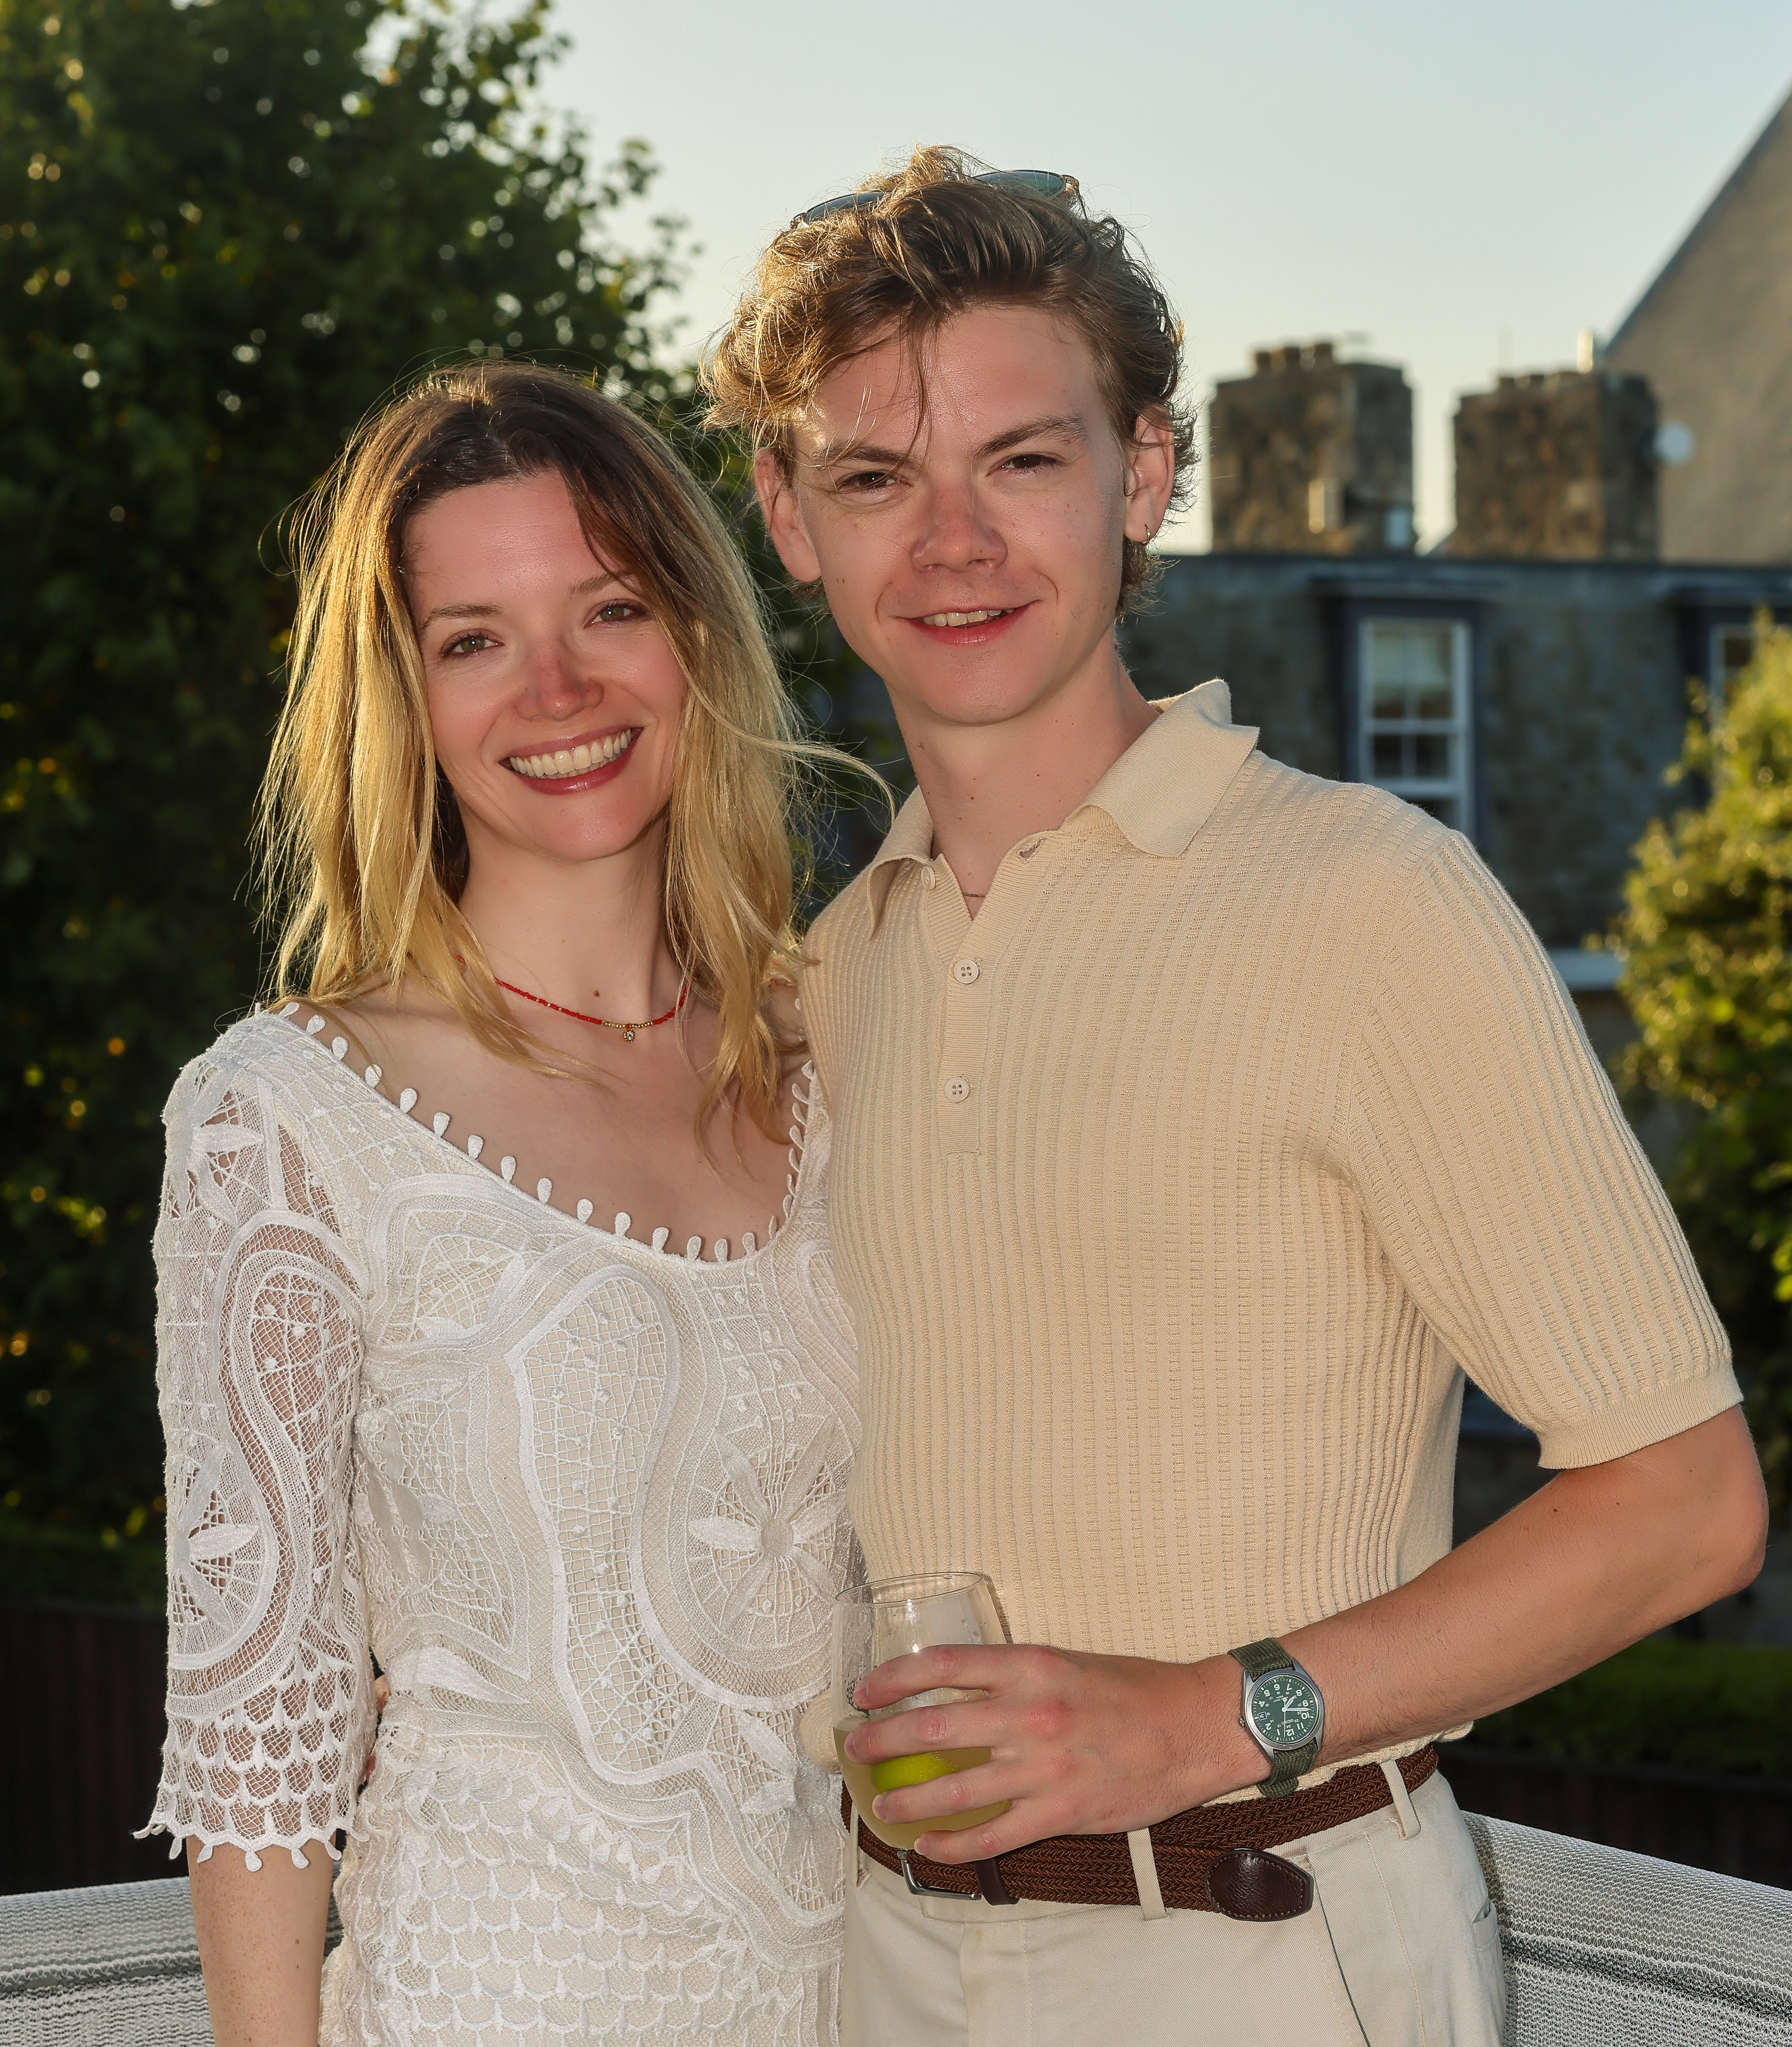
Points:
(1713, 334)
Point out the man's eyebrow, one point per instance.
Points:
(590, 585)
(1061, 426)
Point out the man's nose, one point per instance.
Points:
(958, 533)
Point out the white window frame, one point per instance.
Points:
(1459, 787)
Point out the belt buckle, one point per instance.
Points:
(916, 1887)
(989, 1885)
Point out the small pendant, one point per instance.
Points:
(628, 1035)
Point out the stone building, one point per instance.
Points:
(1311, 452)
(1712, 334)
(1527, 684)
(1532, 704)
(1561, 464)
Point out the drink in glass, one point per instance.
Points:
(895, 1617)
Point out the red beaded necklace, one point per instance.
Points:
(578, 1015)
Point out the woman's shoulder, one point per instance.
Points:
(284, 1050)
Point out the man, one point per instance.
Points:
(1194, 1120)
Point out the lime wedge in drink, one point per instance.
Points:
(897, 1770)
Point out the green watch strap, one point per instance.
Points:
(1286, 1769)
(1287, 1766)
(1260, 1658)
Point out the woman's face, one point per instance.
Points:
(554, 696)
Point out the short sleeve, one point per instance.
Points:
(1511, 1196)
(258, 1333)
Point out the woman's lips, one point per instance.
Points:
(561, 763)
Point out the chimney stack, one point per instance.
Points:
(1559, 464)
(1311, 456)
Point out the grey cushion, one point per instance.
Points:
(1609, 1950)
(1603, 1949)
(114, 1966)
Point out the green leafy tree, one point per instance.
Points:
(227, 230)
(1706, 931)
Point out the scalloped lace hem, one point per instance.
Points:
(252, 1849)
(801, 1104)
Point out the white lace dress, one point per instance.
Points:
(583, 1498)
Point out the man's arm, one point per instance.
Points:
(1599, 1557)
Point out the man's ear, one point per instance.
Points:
(783, 517)
(1151, 475)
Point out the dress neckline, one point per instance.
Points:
(802, 1104)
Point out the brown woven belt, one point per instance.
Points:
(1210, 1859)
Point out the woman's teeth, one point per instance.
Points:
(962, 617)
(570, 761)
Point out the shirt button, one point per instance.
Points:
(929, 879)
(966, 970)
(957, 1089)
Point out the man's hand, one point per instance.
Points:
(1083, 1744)
(1077, 1744)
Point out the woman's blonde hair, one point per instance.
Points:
(364, 854)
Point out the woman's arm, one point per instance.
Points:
(260, 1934)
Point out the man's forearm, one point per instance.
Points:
(1083, 1744)
(1596, 1559)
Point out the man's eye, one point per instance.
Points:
(1031, 461)
(867, 480)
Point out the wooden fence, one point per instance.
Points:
(1742, 1825)
(81, 1691)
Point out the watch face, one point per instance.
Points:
(1285, 1709)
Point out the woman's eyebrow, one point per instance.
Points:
(460, 611)
(587, 588)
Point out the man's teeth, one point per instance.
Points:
(962, 617)
(571, 760)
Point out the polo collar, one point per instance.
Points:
(1160, 791)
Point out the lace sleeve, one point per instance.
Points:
(258, 1332)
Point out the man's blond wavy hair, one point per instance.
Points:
(937, 240)
(364, 854)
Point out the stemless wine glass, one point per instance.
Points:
(895, 1617)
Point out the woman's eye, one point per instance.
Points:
(617, 611)
(866, 480)
(468, 643)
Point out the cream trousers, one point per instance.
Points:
(1401, 1949)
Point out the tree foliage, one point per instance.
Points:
(228, 230)
(1707, 930)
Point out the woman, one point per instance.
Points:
(430, 1391)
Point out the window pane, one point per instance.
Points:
(1388, 700)
(1435, 703)
(1432, 751)
(1387, 765)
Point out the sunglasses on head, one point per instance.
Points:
(1042, 184)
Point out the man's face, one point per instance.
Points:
(971, 555)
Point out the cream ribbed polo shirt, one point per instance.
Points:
(1167, 1193)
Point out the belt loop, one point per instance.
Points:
(858, 1852)
(1405, 1814)
(1144, 1874)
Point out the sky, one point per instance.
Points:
(1456, 188)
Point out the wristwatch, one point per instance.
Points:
(1284, 1714)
